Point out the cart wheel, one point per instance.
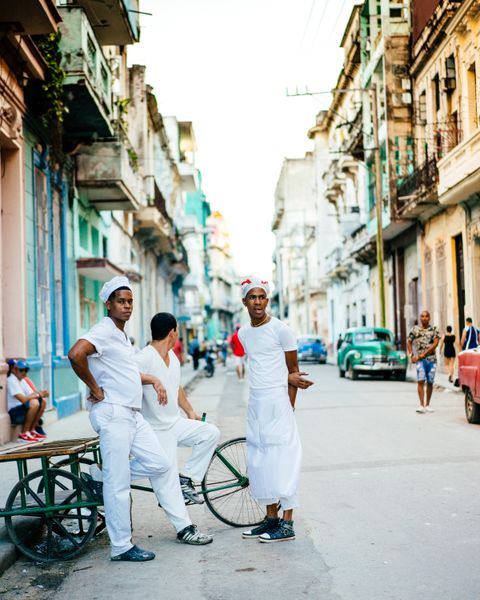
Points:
(233, 505)
(83, 464)
(59, 533)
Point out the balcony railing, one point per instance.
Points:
(418, 189)
(88, 79)
(106, 174)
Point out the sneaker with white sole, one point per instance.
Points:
(264, 527)
(191, 535)
(26, 437)
(188, 490)
(421, 410)
(428, 409)
(283, 532)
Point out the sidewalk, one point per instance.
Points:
(76, 426)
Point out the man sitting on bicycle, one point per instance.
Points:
(171, 428)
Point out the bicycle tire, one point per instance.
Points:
(236, 508)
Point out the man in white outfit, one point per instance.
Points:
(171, 428)
(274, 452)
(103, 359)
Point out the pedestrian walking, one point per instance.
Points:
(194, 351)
(339, 342)
(104, 360)
(178, 349)
(274, 451)
(171, 429)
(447, 345)
(422, 343)
(238, 352)
(470, 336)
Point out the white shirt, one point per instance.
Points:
(113, 364)
(16, 386)
(265, 347)
(149, 361)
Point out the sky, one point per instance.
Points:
(226, 66)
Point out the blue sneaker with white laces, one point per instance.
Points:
(283, 532)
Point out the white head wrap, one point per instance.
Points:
(254, 282)
(110, 286)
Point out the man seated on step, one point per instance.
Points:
(171, 428)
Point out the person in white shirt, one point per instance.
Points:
(104, 360)
(171, 428)
(274, 452)
(25, 406)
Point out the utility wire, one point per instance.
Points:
(307, 23)
(317, 31)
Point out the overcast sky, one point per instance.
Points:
(226, 65)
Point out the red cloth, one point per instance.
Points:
(236, 345)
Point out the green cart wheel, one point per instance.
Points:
(226, 488)
(50, 525)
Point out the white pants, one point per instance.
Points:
(187, 433)
(130, 451)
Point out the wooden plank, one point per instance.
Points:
(56, 448)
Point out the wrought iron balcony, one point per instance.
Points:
(418, 190)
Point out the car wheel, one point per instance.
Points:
(352, 374)
(341, 372)
(472, 409)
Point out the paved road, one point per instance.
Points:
(389, 511)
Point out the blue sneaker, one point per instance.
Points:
(283, 532)
(264, 527)
(135, 554)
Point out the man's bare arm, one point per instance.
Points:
(185, 405)
(431, 349)
(77, 356)
(293, 375)
(157, 386)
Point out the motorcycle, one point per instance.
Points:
(209, 368)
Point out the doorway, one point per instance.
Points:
(460, 276)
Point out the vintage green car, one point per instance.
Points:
(371, 351)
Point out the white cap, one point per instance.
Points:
(254, 282)
(110, 286)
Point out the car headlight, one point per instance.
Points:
(402, 355)
(357, 355)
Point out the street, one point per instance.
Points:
(389, 510)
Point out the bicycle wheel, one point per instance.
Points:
(226, 488)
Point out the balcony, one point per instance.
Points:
(188, 177)
(116, 23)
(418, 192)
(350, 221)
(88, 80)
(459, 172)
(108, 177)
(30, 17)
(153, 229)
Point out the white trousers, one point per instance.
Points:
(187, 433)
(130, 451)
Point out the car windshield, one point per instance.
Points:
(372, 336)
(308, 340)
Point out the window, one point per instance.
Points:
(436, 93)
(83, 232)
(422, 108)
(450, 74)
(373, 336)
(472, 97)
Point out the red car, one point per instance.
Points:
(469, 376)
